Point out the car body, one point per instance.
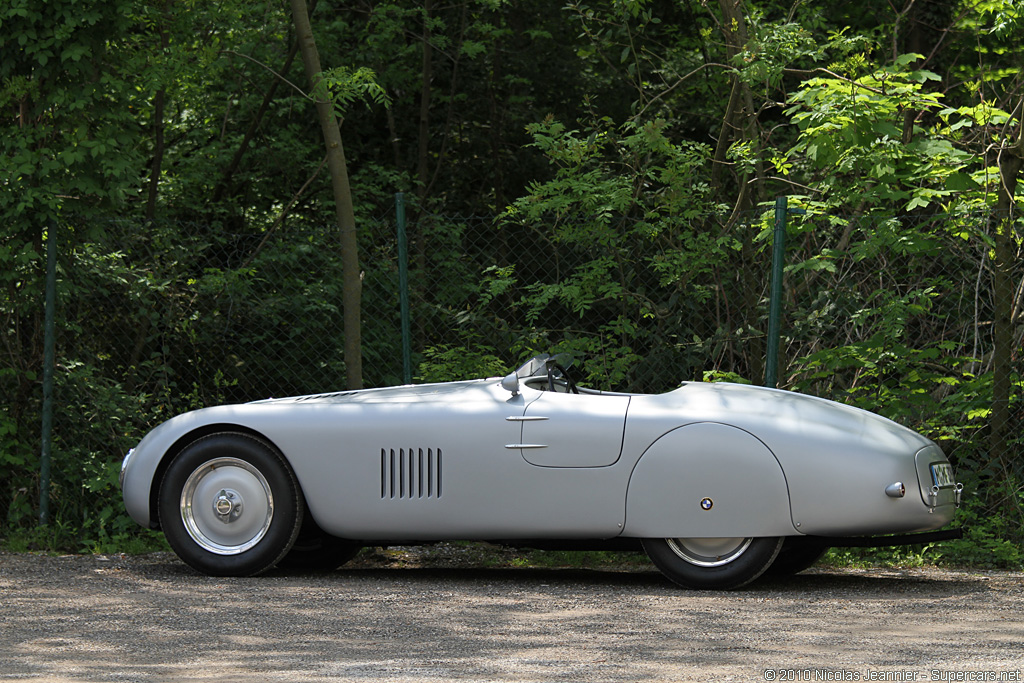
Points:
(717, 481)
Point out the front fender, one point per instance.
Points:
(142, 467)
(707, 480)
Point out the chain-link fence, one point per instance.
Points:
(893, 314)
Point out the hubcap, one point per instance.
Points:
(708, 552)
(226, 506)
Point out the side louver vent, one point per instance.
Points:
(410, 473)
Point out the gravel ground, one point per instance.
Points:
(412, 616)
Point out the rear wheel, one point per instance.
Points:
(712, 563)
(229, 505)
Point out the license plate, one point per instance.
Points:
(942, 474)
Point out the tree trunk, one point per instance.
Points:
(351, 280)
(158, 154)
(1011, 160)
(740, 120)
(740, 123)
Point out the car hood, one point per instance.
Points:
(408, 393)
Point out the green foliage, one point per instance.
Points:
(854, 131)
(724, 376)
(13, 452)
(446, 364)
(615, 246)
(634, 170)
(67, 538)
(585, 559)
(991, 540)
(772, 48)
(68, 139)
(344, 86)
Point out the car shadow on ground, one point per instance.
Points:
(878, 581)
(852, 582)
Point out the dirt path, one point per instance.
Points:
(152, 619)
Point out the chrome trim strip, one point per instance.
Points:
(526, 418)
(526, 445)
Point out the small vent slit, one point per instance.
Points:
(392, 473)
(419, 471)
(430, 476)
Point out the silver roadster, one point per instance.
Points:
(718, 483)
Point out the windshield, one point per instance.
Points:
(537, 366)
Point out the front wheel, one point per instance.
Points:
(229, 505)
(712, 563)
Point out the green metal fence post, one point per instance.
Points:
(771, 366)
(48, 362)
(403, 289)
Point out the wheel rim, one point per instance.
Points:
(708, 552)
(227, 506)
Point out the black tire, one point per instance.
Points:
(229, 505)
(317, 551)
(712, 563)
(797, 554)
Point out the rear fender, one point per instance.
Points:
(708, 480)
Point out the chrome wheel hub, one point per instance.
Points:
(226, 506)
(708, 552)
